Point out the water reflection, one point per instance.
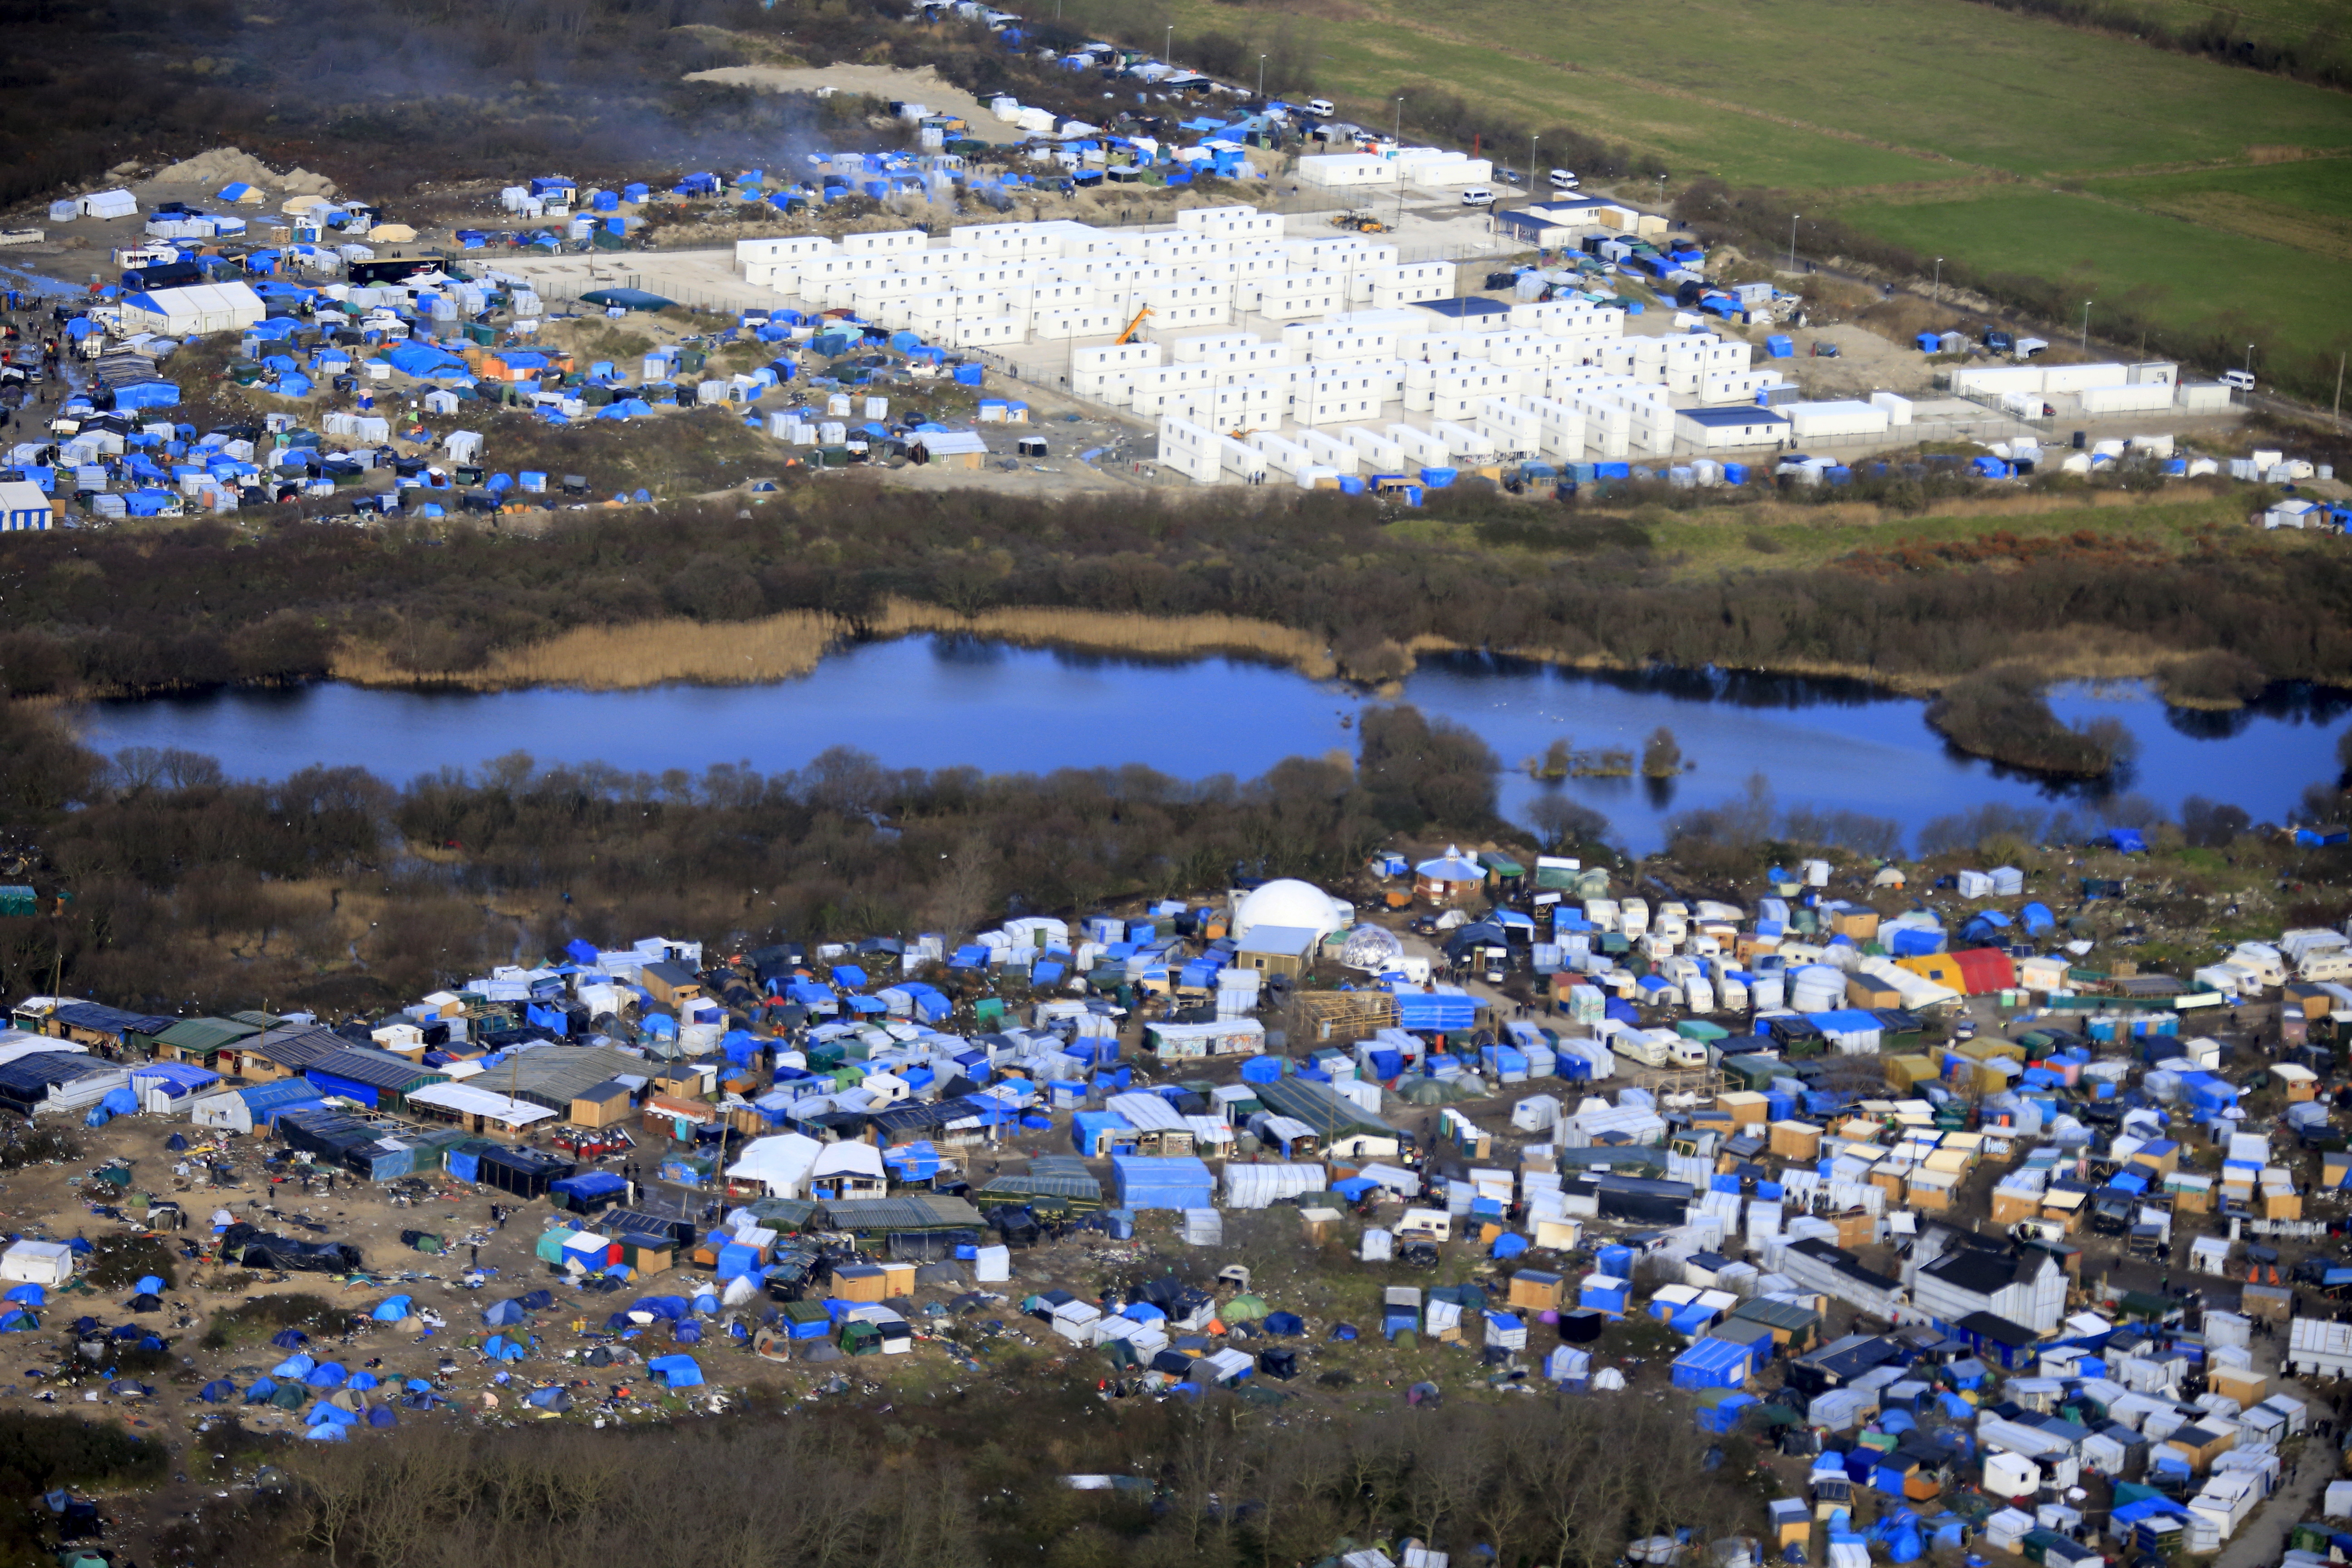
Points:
(945, 701)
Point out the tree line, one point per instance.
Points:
(335, 889)
(270, 601)
(937, 1482)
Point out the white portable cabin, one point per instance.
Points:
(38, 1262)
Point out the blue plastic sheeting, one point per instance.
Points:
(1713, 1363)
(1144, 1181)
(1428, 1011)
(392, 1309)
(677, 1371)
(1725, 1417)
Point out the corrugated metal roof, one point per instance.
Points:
(554, 1075)
(111, 1020)
(205, 1034)
(1327, 1112)
(36, 1073)
(1037, 1185)
(912, 1211)
(377, 1069)
(1774, 1314)
(294, 1048)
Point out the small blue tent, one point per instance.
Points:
(677, 1371)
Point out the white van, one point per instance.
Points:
(1321, 108)
(2243, 380)
(1477, 196)
(1562, 180)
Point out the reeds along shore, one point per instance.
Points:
(778, 648)
(617, 658)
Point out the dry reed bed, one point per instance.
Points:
(779, 647)
(618, 658)
(1109, 631)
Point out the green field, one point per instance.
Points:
(2193, 207)
(2237, 288)
(2307, 205)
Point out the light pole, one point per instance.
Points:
(2249, 359)
(1396, 141)
(1792, 241)
(1169, 48)
(1936, 293)
(1531, 164)
(2086, 326)
(1261, 78)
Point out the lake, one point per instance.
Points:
(941, 702)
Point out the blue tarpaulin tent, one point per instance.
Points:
(677, 1371)
(1713, 1363)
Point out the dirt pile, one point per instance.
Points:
(228, 165)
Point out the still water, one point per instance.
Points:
(934, 702)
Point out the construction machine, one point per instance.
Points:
(1130, 334)
(1360, 222)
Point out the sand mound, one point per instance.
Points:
(227, 166)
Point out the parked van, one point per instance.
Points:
(2243, 380)
(1561, 180)
(1477, 196)
(1321, 108)
(1426, 1225)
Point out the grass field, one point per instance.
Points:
(2167, 268)
(2307, 205)
(1708, 543)
(1868, 108)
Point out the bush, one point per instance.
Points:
(264, 1316)
(2217, 677)
(2000, 713)
(118, 1262)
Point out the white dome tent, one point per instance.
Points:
(1373, 949)
(1288, 902)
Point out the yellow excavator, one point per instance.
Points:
(1360, 222)
(1129, 334)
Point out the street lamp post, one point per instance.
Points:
(2086, 326)
(1261, 78)
(2249, 359)
(1396, 141)
(1936, 293)
(1531, 162)
(1792, 241)
(1169, 48)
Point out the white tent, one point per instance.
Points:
(110, 203)
(199, 309)
(780, 1163)
(40, 1262)
(854, 1169)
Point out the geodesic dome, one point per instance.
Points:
(1286, 902)
(1373, 949)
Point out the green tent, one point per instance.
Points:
(1244, 1309)
(549, 1246)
